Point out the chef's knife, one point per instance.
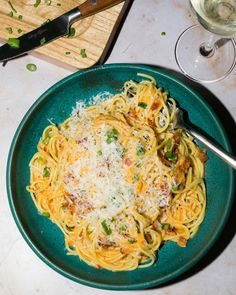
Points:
(54, 29)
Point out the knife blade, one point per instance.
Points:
(54, 29)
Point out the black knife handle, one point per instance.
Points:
(91, 7)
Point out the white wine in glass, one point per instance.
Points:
(207, 53)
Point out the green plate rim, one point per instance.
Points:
(90, 283)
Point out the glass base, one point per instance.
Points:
(214, 67)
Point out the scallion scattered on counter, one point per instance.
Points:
(31, 67)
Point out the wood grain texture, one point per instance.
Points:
(92, 6)
(92, 33)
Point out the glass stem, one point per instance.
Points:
(207, 49)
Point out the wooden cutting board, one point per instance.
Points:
(92, 34)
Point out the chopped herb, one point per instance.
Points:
(106, 228)
(165, 226)
(58, 4)
(163, 33)
(139, 164)
(9, 30)
(31, 67)
(168, 143)
(19, 31)
(99, 153)
(112, 136)
(171, 156)
(12, 7)
(46, 22)
(120, 151)
(71, 33)
(37, 2)
(43, 41)
(46, 172)
(67, 52)
(45, 214)
(48, 2)
(142, 105)
(132, 240)
(10, 14)
(136, 177)
(175, 189)
(140, 150)
(83, 53)
(20, 17)
(14, 42)
(123, 228)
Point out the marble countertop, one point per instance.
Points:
(140, 41)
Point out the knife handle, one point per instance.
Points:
(91, 7)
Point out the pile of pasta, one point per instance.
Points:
(119, 180)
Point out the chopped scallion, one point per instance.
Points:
(14, 42)
(142, 105)
(123, 228)
(165, 226)
(168, 143)
(171, 156)
(71, 33)
(31, 67)
(37, 2)
(111, 136)
(12, 7)
(83, 53)
(9, 30)
(45, 214)
(99, 153)
(46, 172)
(135, 177)
(10, 14)
(106, 228)
(42, 41)
(132, 240)
(140, 150)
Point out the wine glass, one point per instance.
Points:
(207, 52)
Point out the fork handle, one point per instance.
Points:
(219, 151)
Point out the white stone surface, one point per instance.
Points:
(140, 41)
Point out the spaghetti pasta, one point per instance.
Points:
(118, 181)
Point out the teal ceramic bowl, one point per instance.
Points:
(45, 238)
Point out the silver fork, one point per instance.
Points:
(214, 147)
